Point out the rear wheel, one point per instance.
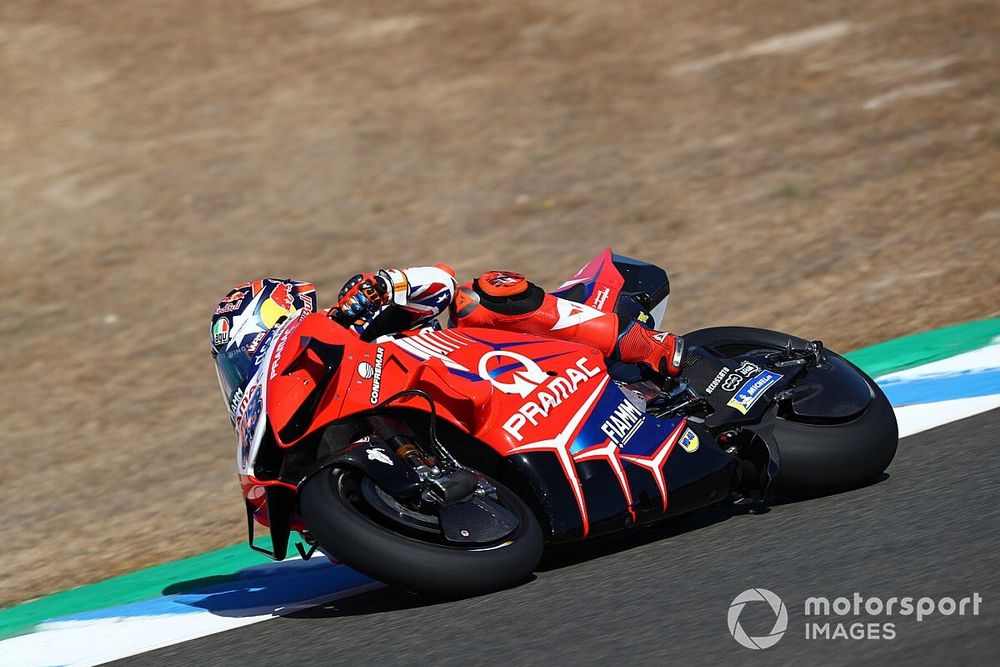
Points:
(352, 520)
(816, 458)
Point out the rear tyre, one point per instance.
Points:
(816, 458)
(335, 511)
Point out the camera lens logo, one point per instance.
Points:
(780, 623)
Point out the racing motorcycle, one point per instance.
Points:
(443, 460)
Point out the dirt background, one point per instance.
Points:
(826, 168)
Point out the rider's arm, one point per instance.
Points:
(394, 300)
(423, 290)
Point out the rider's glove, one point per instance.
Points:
(364, 294)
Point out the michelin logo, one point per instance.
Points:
(754, 388)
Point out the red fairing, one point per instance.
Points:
(519, 382)
(515, 393)
(606, 279)
(253, 491)
(503, 387)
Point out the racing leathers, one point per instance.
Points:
(395, 300)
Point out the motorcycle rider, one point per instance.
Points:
(391, 301)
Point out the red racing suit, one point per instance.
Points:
(412, 298)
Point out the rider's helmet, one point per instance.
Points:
(243, 321)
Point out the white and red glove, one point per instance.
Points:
(363, 295)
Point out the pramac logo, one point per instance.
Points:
(525, 378)
(525, 375)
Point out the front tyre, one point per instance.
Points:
(338, 514)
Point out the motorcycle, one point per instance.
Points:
(443, 460)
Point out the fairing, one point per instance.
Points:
(548, 407)
(633, 289)
(592, 461)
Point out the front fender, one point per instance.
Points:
(832, 392)
(376, 460)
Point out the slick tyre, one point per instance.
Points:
(817, 459)
(336, 515)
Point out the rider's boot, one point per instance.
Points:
(663, 352)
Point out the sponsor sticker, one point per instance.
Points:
(236, 403)
(228, 307)
(717, 380)
(284, 296)
(377, 375)
(255, 343)
(545, 397)
(220, 331)
(279, 347)
(623, 423)
(733, 382)
(366, 370)
(689, 441)
(751, 392)
(523, 382)
(248, 419)
(601, 297)
(501, 279)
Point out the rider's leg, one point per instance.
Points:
(507, 300)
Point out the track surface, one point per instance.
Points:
(661, 595)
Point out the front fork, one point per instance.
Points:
(441, 483)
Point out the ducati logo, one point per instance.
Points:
(573, 314)
(523, 381)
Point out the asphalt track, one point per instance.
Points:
(661, 595)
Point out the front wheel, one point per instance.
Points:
(817, 458)
(343, 515)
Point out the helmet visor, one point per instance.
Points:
(234, 368)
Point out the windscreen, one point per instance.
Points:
(234, 368)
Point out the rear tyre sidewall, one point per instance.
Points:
(818, 459)
(375, 550)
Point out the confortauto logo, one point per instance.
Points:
(854, 617)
